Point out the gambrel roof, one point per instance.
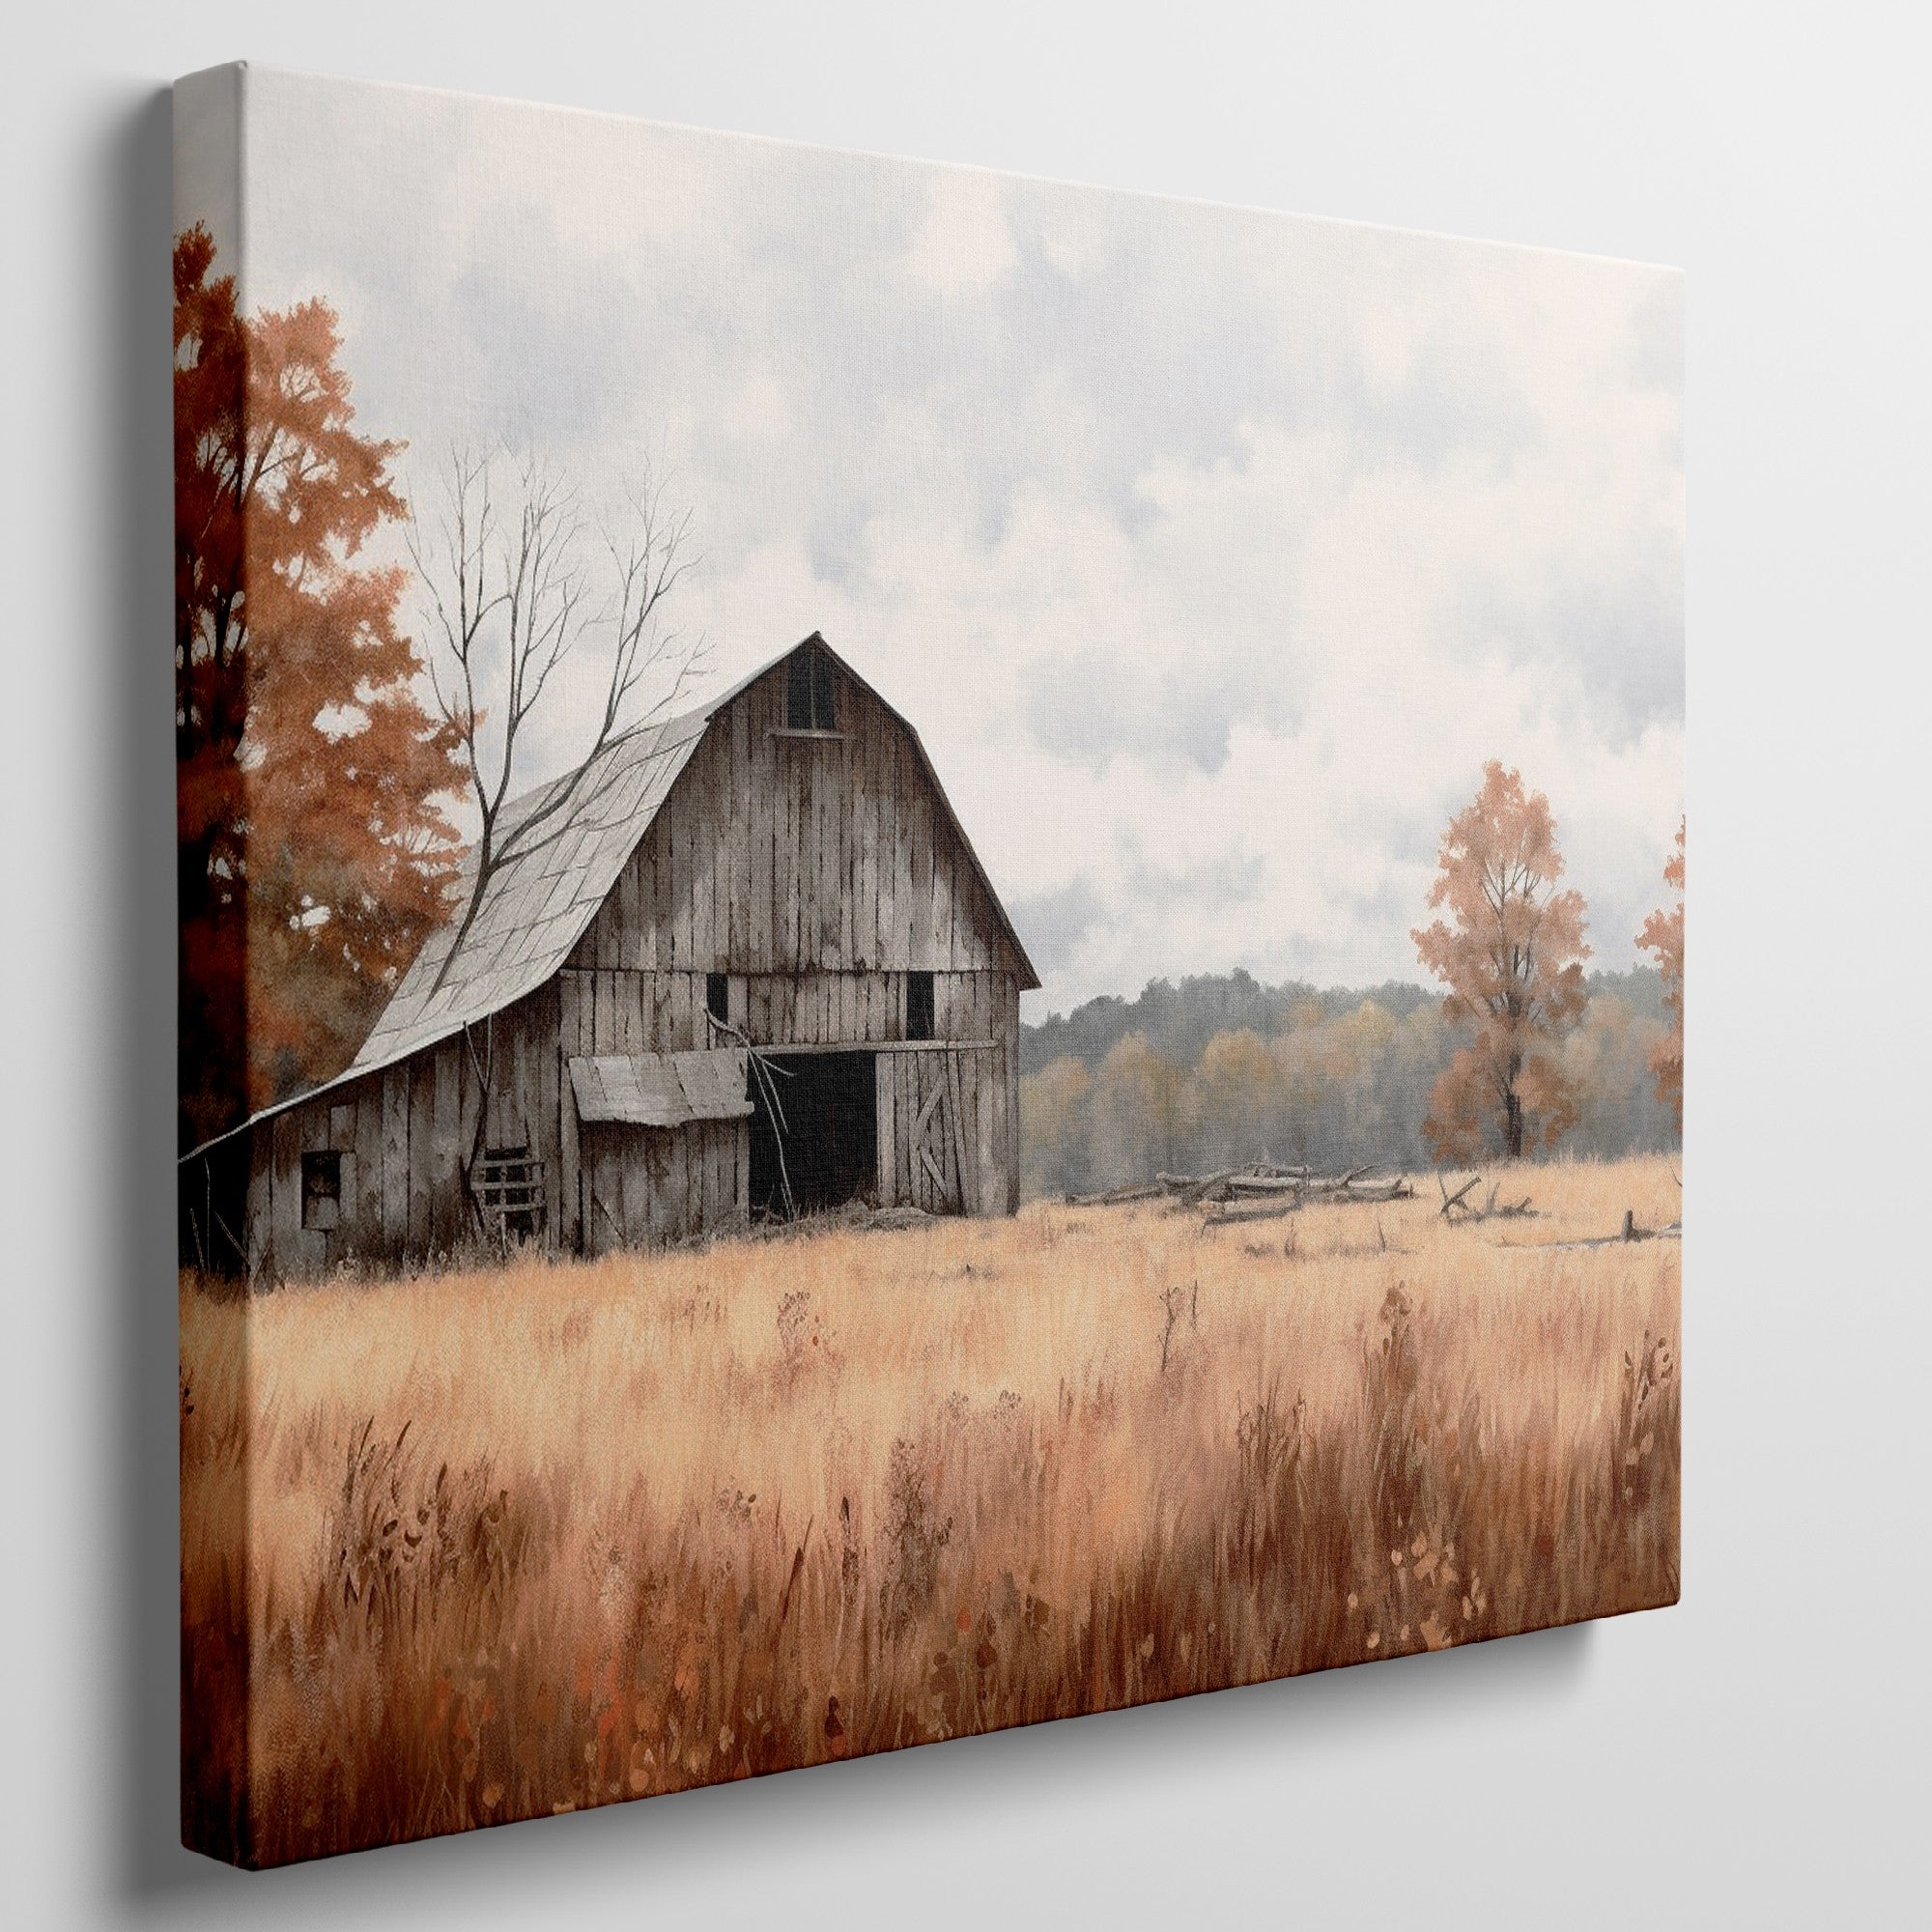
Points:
(541, 900)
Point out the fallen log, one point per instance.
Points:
(1117, 1197)
(1262, 1210)
(1192, 1186)
(1308, 1183)
(1630, 1231)
(1382, 1190)
(1253, 1202)
(1264, 1181)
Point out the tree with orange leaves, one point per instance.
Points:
(1511, 953)
(315, 849)
(1663, 935)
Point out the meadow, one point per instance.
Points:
(502, 1541)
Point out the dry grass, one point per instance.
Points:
(540, 1538)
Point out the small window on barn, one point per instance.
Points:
(824, 694)
(322, 1190)
(810, 692)
(918, 1006)
(718, 994)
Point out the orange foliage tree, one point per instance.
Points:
(1662, 935)
(1511, 953)
(315, 849)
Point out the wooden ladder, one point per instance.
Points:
(508, 1184)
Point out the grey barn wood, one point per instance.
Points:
(727, 913)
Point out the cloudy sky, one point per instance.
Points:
(1211, 551)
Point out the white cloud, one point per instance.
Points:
(963, 245)
(1212, 553)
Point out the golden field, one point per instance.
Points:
(483, 1545)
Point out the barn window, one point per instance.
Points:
(717, 996)
(810, 692)
(918, 1006)
(322, 1190)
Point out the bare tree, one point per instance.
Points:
(515, 605)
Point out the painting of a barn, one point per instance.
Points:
(757, 970)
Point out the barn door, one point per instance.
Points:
(936, 1153)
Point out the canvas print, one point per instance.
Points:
(931, 953)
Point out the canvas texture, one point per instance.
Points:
(931, 953)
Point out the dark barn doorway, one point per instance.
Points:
(830, 1104)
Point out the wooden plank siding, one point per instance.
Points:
(776, 854)
(647, 1185)
(404, 1136)
(816, 874)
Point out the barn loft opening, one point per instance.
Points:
(322, 1190)
(718, 994)
(830, 1140)
(811, 692)
(918, 1006)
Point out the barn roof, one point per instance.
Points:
(541, 899)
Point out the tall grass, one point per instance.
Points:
(480, 1545)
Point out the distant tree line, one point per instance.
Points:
(1222, 1068)
(1520, 1053)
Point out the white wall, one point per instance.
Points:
(1755, 1756)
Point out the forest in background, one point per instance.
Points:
(1223, 1068)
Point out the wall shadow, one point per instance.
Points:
(137, 1110)
(699, 1838)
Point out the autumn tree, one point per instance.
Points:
(1139, 1112)
(1663, 936)
(1053, 1126)
(315, 848)
(1609, 1058)
(523, 591)
(1238, 1098)
(1511, 951)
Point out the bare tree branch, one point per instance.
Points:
(513, 602)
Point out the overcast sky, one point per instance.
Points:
(1211, 551)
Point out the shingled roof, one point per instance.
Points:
(541, 901)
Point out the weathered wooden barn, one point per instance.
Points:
(755, 968)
